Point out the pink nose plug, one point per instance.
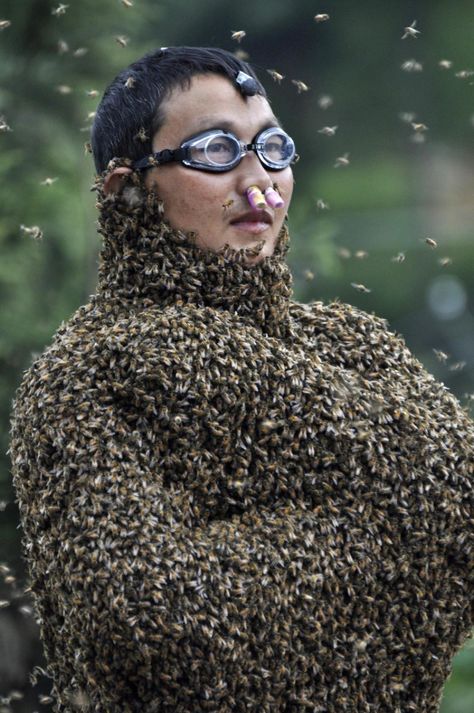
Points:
(259, 200)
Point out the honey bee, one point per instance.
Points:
(432, 243)
(48, 181)
(325, 101)
(59, 10)
(63, 47)
(411, 31)
(407, 116)
(141, 135)
(464, 73)
(238, 35)
(4, 24)
(87, 147)
(328, 130)
(322, 205)
(411, 65)
(399, 258)
(458, 366)
(80, 52)
(122, 40)
(276, 75)
(301, 86)
(127, 3)
(35, 231)
(419, 127)
(445, 63)
(130, 82)
(227, 204)
(308, 275)
(342, 161)
(441, 356)
(344, 253)
(63, 89)
(359, 287)
(92, 93)
(443, 261)
(361, 254)
(3, 125)
(321, 17)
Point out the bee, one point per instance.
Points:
(321, 205)
(63, 89)
(3, 125)
(301, 86)
(458, 366)
(130, 82)
(441, 356)
(63, 47)
(325, 101)
(419, 127)
(141, 135)
(342, 161)
(276, 75)
(344, 253)
(238, 35)
(59, 10)
(328, 130)
(127, 3)
(359, 287)
(4, 24)
(464, 73)
(92, 93)
(321, 17)
(242, 54)
(122, 40)
(4, 603)
(407, 116)
(48, 181)
(411, 31)
(445, 63)
(227, 204)
(411, 65)
(432, 243)
(308, 275)
(80, 52)
(91, 115)
(361, 254)
(35, 231)
(399, 258)
(87, 147)
(443, 261)
(45, 699)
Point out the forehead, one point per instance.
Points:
(212, 101)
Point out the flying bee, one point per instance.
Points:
(411, 65)
(45, 699)
(308, 275)
(242, 54)
(91, 115)
(301, 86)
(441, 356)
(321, 17)
(342, 161)
(443, 261)
(122, 40)
(407, 116)
(276, 75)
(92, 93)
(411, 31)
(419, 127)
(325, 101)
(445, 63)
(63, 47)
(328, 130)
(4, 24)
(238, 35)
(141, 135)
(80, 52)
(127, 3)
(432, 243)
(35, 231)
(321, 205)
(344, 253)
(359, 287)
(130, 82)
(48, 181)
(59, 10)
(457, 366)
(398, 258)
(63, 89)
(361, 254)
(464, 73)
(3, 125)
(227, 204)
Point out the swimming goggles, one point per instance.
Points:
(217, 150)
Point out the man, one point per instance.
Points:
(232, 501)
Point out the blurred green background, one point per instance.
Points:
(364, 223)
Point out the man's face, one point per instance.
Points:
(214, 205)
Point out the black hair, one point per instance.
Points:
(130, 112)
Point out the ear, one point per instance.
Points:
(113, 182)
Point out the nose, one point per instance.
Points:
(251, 172)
